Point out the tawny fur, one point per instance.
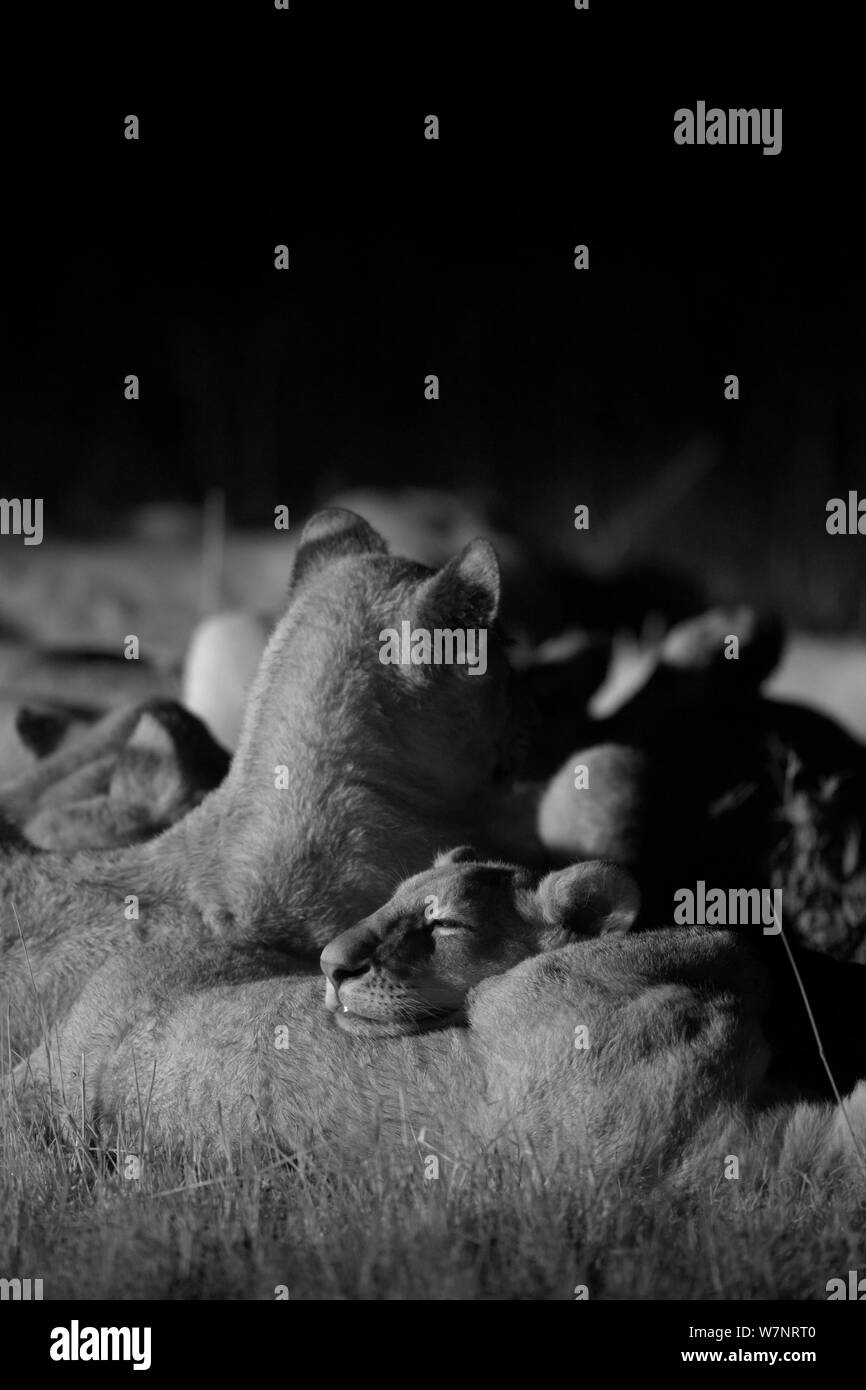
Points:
(132, 774)
(672, 1082)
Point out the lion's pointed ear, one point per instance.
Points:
(590, 899)
(150, 734)
(466, 592)
(462, 854)
(41, 730)
(331, 534)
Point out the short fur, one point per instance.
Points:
(132, 774)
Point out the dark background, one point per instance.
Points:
(410, 257)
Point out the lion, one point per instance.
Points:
(412, 963)
(129, 776)
(480, 1000)
(349, 773)
(404, 971)
(481, 1005)
(50, 696)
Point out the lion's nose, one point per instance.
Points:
(348, 954)
(337, 970)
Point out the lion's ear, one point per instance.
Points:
(41, 730)
(466, 592)
(128, 782)
(462, 854)
(331, 534)
(590, 899)
(151, 735)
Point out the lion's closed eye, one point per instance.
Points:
(446, 926)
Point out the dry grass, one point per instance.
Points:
(377, 1229)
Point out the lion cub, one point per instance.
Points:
(410, 965)
(133, 773)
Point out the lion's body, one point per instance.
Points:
(642, 1055)
(128, 776)
(562, 1041)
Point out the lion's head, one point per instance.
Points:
(410, 965)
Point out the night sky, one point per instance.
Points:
(411, 256)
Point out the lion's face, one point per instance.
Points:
(409, 966)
